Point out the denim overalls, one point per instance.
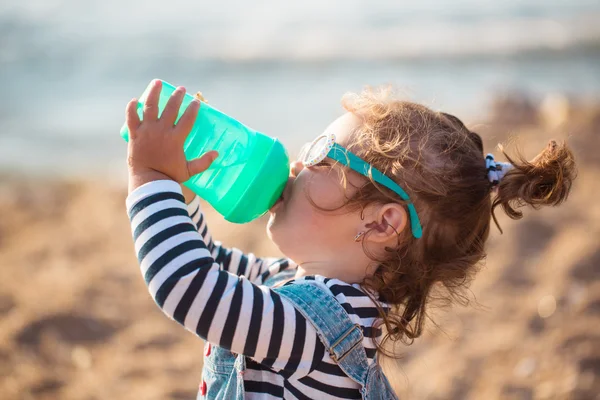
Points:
(223, 371)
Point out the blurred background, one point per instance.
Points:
(76, 320)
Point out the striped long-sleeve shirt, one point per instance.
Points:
(217, 294)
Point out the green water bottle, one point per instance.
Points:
(252, 168)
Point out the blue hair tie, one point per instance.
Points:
(496, 170)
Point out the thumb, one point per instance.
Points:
(201, 164)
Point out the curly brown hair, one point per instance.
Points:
(441, 165)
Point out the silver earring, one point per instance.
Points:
(358, 236)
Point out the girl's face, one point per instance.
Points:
(302, 231)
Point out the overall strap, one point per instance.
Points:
(341, 337)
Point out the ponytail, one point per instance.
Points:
(544, 181)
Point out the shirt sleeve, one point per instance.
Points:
(233, 260)
(221, 307)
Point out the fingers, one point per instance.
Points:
(201, 164)
(186, 122)
(132, 118)
(171, 110)
(151, 103)
(295, 168)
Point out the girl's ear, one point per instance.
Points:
(390, 221)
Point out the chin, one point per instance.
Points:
(272, 229)
(280, 246)
(269, 232)
(280, 239)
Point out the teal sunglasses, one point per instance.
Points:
(325, 146)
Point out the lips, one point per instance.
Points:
(280, 200)
(284, 195)
(277, 203)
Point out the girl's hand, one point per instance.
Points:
(155, 149)
(187, 193)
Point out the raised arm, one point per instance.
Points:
(233, 260)
(188, 284)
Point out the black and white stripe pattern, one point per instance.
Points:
(216, 293)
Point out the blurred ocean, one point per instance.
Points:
(68, 67)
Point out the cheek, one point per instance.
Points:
(293, 228)
(301, 214)
(310, 204)
(326, 190)
(302, 221)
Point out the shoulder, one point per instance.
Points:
(359, 303)
(351, 296)
(335, 286)
(276, 271)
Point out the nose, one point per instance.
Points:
(295, 168)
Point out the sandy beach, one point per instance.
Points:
(78, 323)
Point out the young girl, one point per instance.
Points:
(392, 201)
